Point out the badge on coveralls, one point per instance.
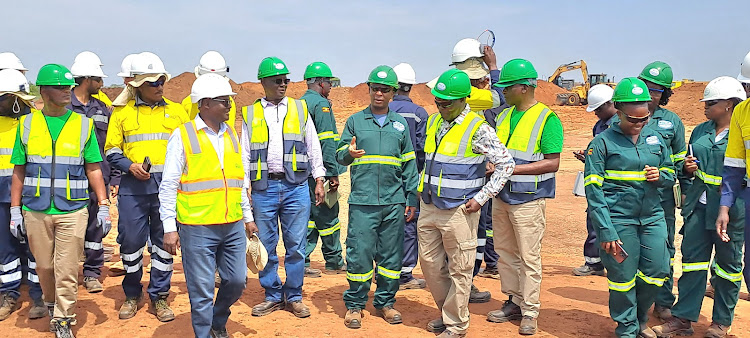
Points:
(652, 140)
(664, 124)
(398, 126)
(326, 109)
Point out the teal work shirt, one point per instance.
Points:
(387, 173)
(616, 188)
(320, 110)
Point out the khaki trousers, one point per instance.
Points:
(56, 241)
(518, 241)
(447, 250)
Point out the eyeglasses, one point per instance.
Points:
(280, 81)
(711, 102)
(633, 119)
(226, 103)
(156, 83)
(656, 90)
(444, 104)
(383, 90)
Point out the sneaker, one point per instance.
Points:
(219, 333)
(490, 273)
(477, 296)
(299, 309)
(312, 273)
(266, 307)
(8, 305)
(436, 326)
(509, 311)
(528, 326)
(162, 310)
(92, 285)
(37, 309)
(340, 271)
(587, 270)
(414, 283)
(717, 331)
(674, 326)
(129, 307)
(662, 312)
(391, 315)
(63, 329)
(353, 319)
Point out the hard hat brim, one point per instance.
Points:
(743, 79)
(24, 97)
(510, 83)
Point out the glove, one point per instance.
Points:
(17, 228)
(103, 219)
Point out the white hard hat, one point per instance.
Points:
(724, 88)
(599, 95)
(745, 70)
(466, 48)
(211, 62)
(14, 82)
(210, 86)
(147, 63)
(127, 65)
(405, 73)
(9, 60)
(88, 57)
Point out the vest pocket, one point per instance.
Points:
(33, 191)
(76, 185)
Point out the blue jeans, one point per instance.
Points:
(204, 248)
(289, 205)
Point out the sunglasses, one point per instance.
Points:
(280, 81)
(156, 83)
(656, 90)
(226, 103)
(382, 90)
(632, 119)
(444, 104)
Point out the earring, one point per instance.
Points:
(726, 109)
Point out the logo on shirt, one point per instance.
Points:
(326, 109)
(591, 151)
(664, 124)
(652, 140)
(398, 126)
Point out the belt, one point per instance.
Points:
(276, 176)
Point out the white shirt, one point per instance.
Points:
(174, 165)
(274, 115)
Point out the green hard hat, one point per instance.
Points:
(383, 75)
(317, 69)
(658, 72)
(516, 71)
(631, 89)
(271, 66)
(54, 75)
(453, 84)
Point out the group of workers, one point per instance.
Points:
(435, 188)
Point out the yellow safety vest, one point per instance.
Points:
(207, 193)
(192, 110)
(103, 97)
(8, 127)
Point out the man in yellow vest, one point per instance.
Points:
(210, 63)
(56, 159)
(284, 151)
(458, 144)
(534, 136)
(203, 205)
(137, 144)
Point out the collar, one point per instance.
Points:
(265, 103)
(369, 115)
(610, 120)
(200, 124)
(139, 102)
(460, 118)
(402, 98)
(312, 92)
(75, 102)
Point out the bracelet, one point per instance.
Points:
(104, 202)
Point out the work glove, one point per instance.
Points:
(103, 219)
(17, 228)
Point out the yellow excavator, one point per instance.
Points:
(578, 93)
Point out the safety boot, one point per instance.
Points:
(509, 311)
(586, 270)
(414, 283)
(717, 331)
(391, 315)
(162, 310)
(477, 296)
(129, 307)
(528, 326)
(451, 334)
(37, 309)
(266, 307)
(312, 273)
(8, 305)
(353, 319)
(436, 325)
(92, 285)
(299, 309)
(491, 272)
(646, 332)
(662, 312)
(674, 326)
(340, 271)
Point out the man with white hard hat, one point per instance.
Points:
(210, 63)
(744, 75)
(600, 102)
(8, 60)
(204, 205)
(88, 75)
(470, 56)
(86, 58)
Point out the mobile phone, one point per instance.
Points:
(620, 253)
(147, 164)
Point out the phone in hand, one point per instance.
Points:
(147, 164)
(620, 253)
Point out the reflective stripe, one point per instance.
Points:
(411, 116)
(59, 182)
(699, 266)
(621, 287)
(481, 241)
(195, 146)
(377, 159)
(480, 256)
(78, 160)
(11, 277)
(100, 118)
(233, 138)
(408, 156)
(392, 274)
(593, 179)
(331, 230)
(158, 265)
(31, 264)
(157, 168)
(10, 266)
(295, 158)
(32, 277)
(734, 162)
(111, 151)
(147, 137)
(342, 147)
(85, 123)
(254, 166)
(92, 245)
(708, 179)
(407, 269)
(490, 233)
(6, 172)
(258, 146)
(651, 280)
(669, 170)
(26, 129)
(359, 277)
(455, 159)
(6, 151)
(455, 184)
(732, 277)
(311, 224)
(747, 145)
(678, 157)
(294, 137)
(531, 178)
(132, 268)
(619, 175)
(161, 253)
(212, 184)
(592, 260)
(133, 256)
(327, 135)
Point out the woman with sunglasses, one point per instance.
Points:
(704, 163)
(623, 179)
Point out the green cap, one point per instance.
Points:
(631, 89)
(658, 72)
(317, 69)
(453, 84)
(517, 71)
(54, 75)
(383, 75)
(271, 66)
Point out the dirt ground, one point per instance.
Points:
(571, 306)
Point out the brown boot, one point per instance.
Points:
(414, 283)
(129, 307)
(162, 310)
(8, 305)
(391, 315)
(353, 319)
(92, 285)
(662, 312)
(528, 326)
(266, 307)
(674, 326)
(299, 309)
(37, 309)
(709, 291)
(717, 331)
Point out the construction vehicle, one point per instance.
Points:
(578, 93)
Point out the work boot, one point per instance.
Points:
(451, 334)
(340, 271)
(674, 326)
(353, 319)
(312, 273)
(436, 325)
(709, 291)
(63, 329)
(299, 309)
(37, 309)
(490, 273)
(391, 315)
(509, 311)
(162, 310)
(662, 312)
(266, 307)
(528, 326)
(587, 270)
(717, 331)
(646, 332)
(219, 333)
(414, 283)
(92, 285)
(129, 307)
(477, 296)
(8, 305)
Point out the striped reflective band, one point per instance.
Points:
(132, 268)
(678, 156)
(157, 168)
(708, 179)
(311, 224)
(490, 233)
(342, 147)
(207, 185)
(69, 160)
(734, 162)
(32, 277)
(10, 266)
(147, 137)
(100, 118)
(59, 182)
(392, 274)
(92, 245)
(412, 116)
(732, 277)
(158, 265)
(377, 159)
(359, 277)
(621, 175)
(593, 179)
(132, 256)
(455, 159)
(295, 158)
(6, 151)
(113, 151)
(699, 266)
(6, 172)
(293, 137)
(327, 135)
(651, 280)
(161, 252)
(621, 287)
(254, 166)
(408, 156)
(532, 178)
(747, 144)
(669, 170)
(331, 230)
(11, 277)
(454, 184)
(32, 264)
(258, 145)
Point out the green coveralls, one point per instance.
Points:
(383, 180)
(700, 235)
(624, 206)
(324, 221)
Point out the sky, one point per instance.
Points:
(701, 40)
